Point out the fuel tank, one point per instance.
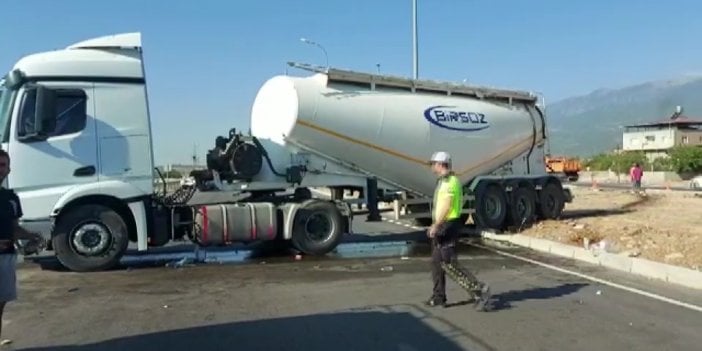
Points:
(242, 222)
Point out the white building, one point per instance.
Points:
(656, 138)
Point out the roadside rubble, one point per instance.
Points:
(662, 226)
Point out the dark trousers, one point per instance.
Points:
(444, 251)
(441, 253)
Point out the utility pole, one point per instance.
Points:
(194, 155)
(415, 60)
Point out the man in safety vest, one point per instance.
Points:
(445, 231)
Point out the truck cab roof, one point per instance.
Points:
(114, 56)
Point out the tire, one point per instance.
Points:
(91, 220)
(317, 213)
(490, 206)
(551, 201)
(522, 206)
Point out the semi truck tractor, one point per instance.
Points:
(77, 126)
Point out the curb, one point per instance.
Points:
(686, 277)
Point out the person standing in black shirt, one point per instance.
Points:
(10, 232)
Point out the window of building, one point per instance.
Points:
(684, 139)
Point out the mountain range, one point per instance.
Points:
(593, 123)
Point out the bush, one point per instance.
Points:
(619, 162)
(662, 164)
(682, 159)
(686, 159)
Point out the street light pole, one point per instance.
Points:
(415, 59)
(326, 57)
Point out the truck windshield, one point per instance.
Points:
(6, 96)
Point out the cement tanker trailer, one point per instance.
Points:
(334, 128)
(385, 128)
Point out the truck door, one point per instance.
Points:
(44, 169)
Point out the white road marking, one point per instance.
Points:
(581, 275)
(595, 279)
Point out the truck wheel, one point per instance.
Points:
(90, 238)
(522, 207)
(551, 201)
(317, 228)
(491, 206)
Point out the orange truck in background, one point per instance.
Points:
(569, 167)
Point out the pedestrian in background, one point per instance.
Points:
(635, 174)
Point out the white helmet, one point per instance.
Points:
(441, 156)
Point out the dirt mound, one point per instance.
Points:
(662, 226)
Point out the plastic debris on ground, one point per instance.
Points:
(185, 261)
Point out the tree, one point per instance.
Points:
(624, 161)
(662, 164)
(686, 159)
(600, 162)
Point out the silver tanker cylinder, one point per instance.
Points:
(384, 128)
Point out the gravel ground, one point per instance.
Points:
(663, 226)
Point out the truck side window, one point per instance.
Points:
(71, 112)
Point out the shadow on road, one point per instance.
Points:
(578, 214)
(504, 300)
(626, 208)
(338, 331)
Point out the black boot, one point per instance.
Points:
(435, 302)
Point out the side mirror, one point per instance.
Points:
(45, 111)
(43, 121)
(14, 79)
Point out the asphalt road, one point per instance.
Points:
(354, 300)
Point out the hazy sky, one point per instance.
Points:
(205, 59)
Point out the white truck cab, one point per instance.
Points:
(75, 123)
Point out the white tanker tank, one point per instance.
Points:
(388, 127)
(382, 126)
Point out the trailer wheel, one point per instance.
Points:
(551, 201)
(317, 228)
(522, 207)
(90, 238)
(491, 206)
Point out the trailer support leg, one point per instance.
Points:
(372, 200)
(337, 194)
